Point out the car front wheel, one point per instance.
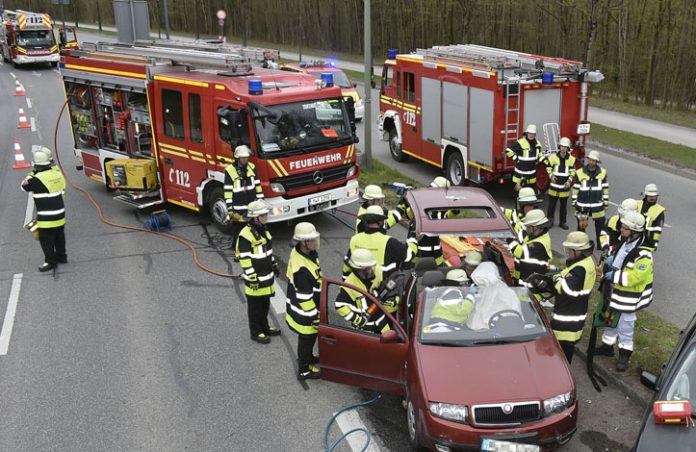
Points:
(412, 424)
(455, 169)
(395, 147)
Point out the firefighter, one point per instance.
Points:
(471, 261)
(452, 308)
(572, 291)
(526, 153)
(350, 304)
(242, 186)
(526, 201)
(630, 272)
(591, 194)
(391, 254)
(533, 254)
(654, 215)
(372, 195)
(47, 186)
(304, 287)
(255, 251)
(611, 233)
(561, 168)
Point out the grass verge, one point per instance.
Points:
(650, 147)
(381, 174)
(668, 115)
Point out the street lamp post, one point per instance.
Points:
(367, 50)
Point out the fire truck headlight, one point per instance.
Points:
(277, 188)
(359, 103)
(353, 192)
(351, 171)
(280, 210)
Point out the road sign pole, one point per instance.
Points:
(367, 50)
(62, 12)
(166, 19)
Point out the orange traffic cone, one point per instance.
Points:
(19, 163)
(19, 89)
(23, 123)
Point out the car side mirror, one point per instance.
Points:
(230, 123)
(355, 85)
(649, 380)
(389, 337)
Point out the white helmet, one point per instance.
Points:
(473, 258)
(565, 141)
(531, 128)
(361, 258)
(305, 231)
(627, 205)
(46, 151)
(527, 195)
(634, 220)
(459, 275)
(593, 155)
(577, 240)
(373, 213)
(242, 151)
(373, 192)
(41, 159)
(440, 182)
(258, 208)
(535, 217)
(650, 190)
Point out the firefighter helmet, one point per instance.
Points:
(373, 192)
(627, 205)
(535, 217)
(473, 258)
(440, 182)
(531, 128)
(47, 151)
(577, 240)
(459, 275)
(634, 220)
(361, 258)
(373, 214)
(593, 155)
(305, 231)
(565, 141)
(527, 195)
(257, 208)
(242, 151)
(651, 190)
(41, 158)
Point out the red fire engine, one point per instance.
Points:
(159, 122)
(459, 107)
(28, 38)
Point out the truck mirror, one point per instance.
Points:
(63, 37)
(350, 109)
(230, 123)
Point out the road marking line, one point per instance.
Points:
(13, 76)
(36, 74)
(8, 323)
(350, 420)
(33, 124)
(28, 103)
(278, 300)
(616, 205)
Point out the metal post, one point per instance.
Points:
(367, 121)
(195, 19)
(132, 15)
(301, 30)
(159, 19)
(62, 12)
(99, 16)
(166, 19)
(245, 26)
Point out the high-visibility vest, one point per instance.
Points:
(350, 303)
(304, 289)
(654, 220)
(515, 220)
(392, 218)
(452, 308)
(531, 256)
(241, 189)
(527, 159)
(573, 286)
(591, 194)
(563, 168)
(389, 252)
(49, 202)
(255, 251)
(633, 283)
(611, 233)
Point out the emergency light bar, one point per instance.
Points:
(327, 78)
(676, 412)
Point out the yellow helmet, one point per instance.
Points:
(577, 240)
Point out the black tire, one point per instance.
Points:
(395, 147)
(412, 426)
(54, 64)
(218, 210)
(455, 170)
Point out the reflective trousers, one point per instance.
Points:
(53, 244)
(257, 308)
(624, 331)
(305, 349)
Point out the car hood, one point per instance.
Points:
(532, 370)
(658, 437)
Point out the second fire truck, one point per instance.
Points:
(159, 123)
(27, 38)
(459, 107)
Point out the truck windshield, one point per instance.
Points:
(302, 125)
(339, 78)
(35, 38)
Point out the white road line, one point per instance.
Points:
(36, 74)
(28, 103)
(278, 300)
(8, 323)
(616, 205)
(350, 420)
(33, 124)
(13, 76)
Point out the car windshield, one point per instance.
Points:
(302, 125)
(470, 316)
(35, 38)
(339, 78)
(683, 385)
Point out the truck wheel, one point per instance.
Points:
(455, 169)
(218, 210)
(54, 64)
(395, 147)
(412, 425)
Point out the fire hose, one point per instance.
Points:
(105, 220)
(355, 430)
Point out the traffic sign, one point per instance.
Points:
(221, 14)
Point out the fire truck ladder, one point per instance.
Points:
(512, 108)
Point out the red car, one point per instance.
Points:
(500, 376)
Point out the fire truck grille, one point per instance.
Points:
(313, 178)
(496, 414)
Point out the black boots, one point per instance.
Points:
(624, 356)
(605, 350)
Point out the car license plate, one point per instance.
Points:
(322, 206)
(319, 200)
(495, 445)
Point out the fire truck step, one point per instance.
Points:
(140, 203)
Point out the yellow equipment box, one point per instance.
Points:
(132, 174)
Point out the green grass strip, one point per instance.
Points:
(668, 115)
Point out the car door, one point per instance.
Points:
(356, 357)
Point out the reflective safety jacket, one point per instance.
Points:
(633, 282)
(563, 168)
(390, 253)
(255, 251)
(515, 220)
(48, 190)
(654, 221)
(350, 303)
(591, 191)
(241, 188)
(610, 236)
(304, 289)
(452, 309)
(573, 286)
(526, 156)
(392, 218)
(531, 256)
